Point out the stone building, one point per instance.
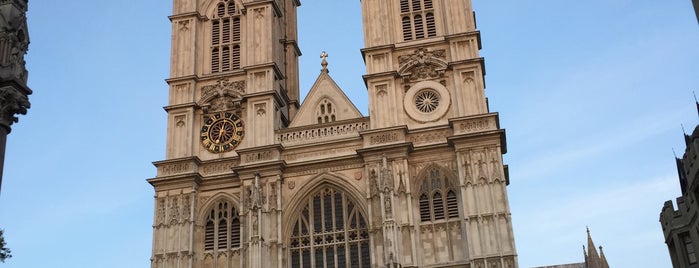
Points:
(253, 178)
(680, 227)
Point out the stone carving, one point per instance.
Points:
(258, 157)
(180, 121)
(383, 138)
(475, 125)
(323, 133)
(184, 25)
(174, 212)
(14, 42)
(272, 195)
(467, 171)
(12, 102)
(373, 184)
(429, 137)
(186, 208)
(495, 173)
(218, 168)
(255, 198)
(161, 211)
(177, 168)
(387, 206)
(401, 184)
(222, 96)
(386, 177)
(422, 65)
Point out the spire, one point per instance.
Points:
(681, 174)
(592, 259)
(686, 137)
(592, 251)
(324, 63)
(603, 260)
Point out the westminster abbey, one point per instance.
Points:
(255, 178)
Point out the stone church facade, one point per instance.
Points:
(253, 178)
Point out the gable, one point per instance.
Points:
(325, 103)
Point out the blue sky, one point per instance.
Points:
(592, 95)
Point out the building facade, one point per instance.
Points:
(681, 227)
(253, 178)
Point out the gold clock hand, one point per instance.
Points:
(221, 131)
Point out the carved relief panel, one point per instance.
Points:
(222, 125)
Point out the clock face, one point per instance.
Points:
(221, 132)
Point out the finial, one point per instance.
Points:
(324, 63)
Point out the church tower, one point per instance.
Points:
(252, 178)
(233, 83)
(426, 98)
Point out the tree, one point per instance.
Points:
(4, 252)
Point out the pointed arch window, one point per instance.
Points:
(331, 232)
(222, 228)
(225, 37)
(438, 200)
(417, 19)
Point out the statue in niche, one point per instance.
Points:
(373, 183)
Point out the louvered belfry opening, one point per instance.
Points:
(225, 37)
(329, 232)
(417, 19)
(222, 229)
(438, 199)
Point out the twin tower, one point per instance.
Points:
(254, 178)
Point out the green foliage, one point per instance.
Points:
(4, 252)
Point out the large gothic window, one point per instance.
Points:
(417, 19)
(438, 200)
(330, 232)
(222, 230)
(225, 37)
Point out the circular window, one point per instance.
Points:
(427, 101)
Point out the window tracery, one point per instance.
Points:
(325, 112)
(417, 19)
(438, 200)
(222, 229)
(225, 37)
(331, 232)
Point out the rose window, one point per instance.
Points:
(427, 101)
